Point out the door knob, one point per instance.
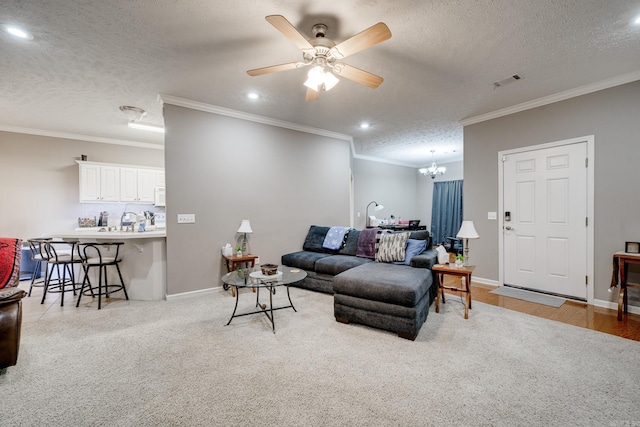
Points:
(508, 227)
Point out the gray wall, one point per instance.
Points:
(394, 187)
(224, 169)
(613, 116)
(39, 175)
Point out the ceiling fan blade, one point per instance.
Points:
(312, 95)
(276, 68)
(289, 31)
(357, 75)
(364, 39)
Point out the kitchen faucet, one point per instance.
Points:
(122, 219)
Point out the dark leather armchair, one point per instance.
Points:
(10, 301)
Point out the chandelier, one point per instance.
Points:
(433, 170)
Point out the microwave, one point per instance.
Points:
(160, 196)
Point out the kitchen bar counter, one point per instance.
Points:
(144, 259)
(93, 233)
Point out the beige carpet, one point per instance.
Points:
(176, 364)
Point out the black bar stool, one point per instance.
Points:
(60, 254)
(39, 255)
(100, 255)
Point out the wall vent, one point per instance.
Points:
(507, 80)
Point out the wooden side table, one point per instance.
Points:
(232, 262)
(441, 270)
(621, 261)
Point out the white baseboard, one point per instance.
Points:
(596, 302)
(192, 293)
(614, 306)
(485, 281)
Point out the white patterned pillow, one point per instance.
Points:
(391, 247)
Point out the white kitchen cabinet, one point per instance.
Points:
(99, 183)
(106, 182)
(160, 178)
(137, 185)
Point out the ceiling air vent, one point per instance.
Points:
(507, 80)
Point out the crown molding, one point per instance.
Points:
(561, 96)
(379, 160)
(78, 137)
(209, 108)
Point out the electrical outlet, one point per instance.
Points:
(186, 218)
(492, 215)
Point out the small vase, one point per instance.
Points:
(458, 263)
(239, 254)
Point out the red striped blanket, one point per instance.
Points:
(10, 255)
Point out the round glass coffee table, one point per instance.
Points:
(253, 278)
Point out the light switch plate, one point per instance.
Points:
(492, 215)
(186, 218)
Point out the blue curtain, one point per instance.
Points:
(446, 210)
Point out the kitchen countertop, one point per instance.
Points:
(93, 233)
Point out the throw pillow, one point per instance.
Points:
(414, 247)
(392, 247)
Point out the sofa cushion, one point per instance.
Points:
(305, 260)
(391, 247)
(315, 238)
(395, 284)
(426, 259)
(367, 243)
(351, 245)
(414, 247)
(336, 264)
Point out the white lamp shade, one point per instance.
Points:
(467, 231)
(245, 227)
(378, 208)
(330, 81)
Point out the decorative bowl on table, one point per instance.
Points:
(269, 269)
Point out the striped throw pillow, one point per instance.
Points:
(391, 247)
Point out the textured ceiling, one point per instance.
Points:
(88, 57)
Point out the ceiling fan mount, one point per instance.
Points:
(321, 53)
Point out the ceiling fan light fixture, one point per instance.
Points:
(330, 81)
(315, 77)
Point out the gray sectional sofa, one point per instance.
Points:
(394, 296)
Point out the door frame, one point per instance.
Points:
(590, 140)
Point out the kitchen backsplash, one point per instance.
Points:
(92, 211)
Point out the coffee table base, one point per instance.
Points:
(263, 307)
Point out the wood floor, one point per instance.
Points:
(571, 312)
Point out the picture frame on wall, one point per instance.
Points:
(632, 247)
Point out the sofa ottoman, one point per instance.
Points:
(391, 297)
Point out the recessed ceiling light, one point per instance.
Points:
(253, 95)
(17, 32)
(637, 21)
(364, 125)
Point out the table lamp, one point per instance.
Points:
(467, 231)
(376, 208)
(245, 228)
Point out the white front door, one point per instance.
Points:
(544, 223)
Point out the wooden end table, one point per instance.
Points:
(621, 261)
(232, 262)
(465, 271)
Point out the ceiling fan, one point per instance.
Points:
(324, 55)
